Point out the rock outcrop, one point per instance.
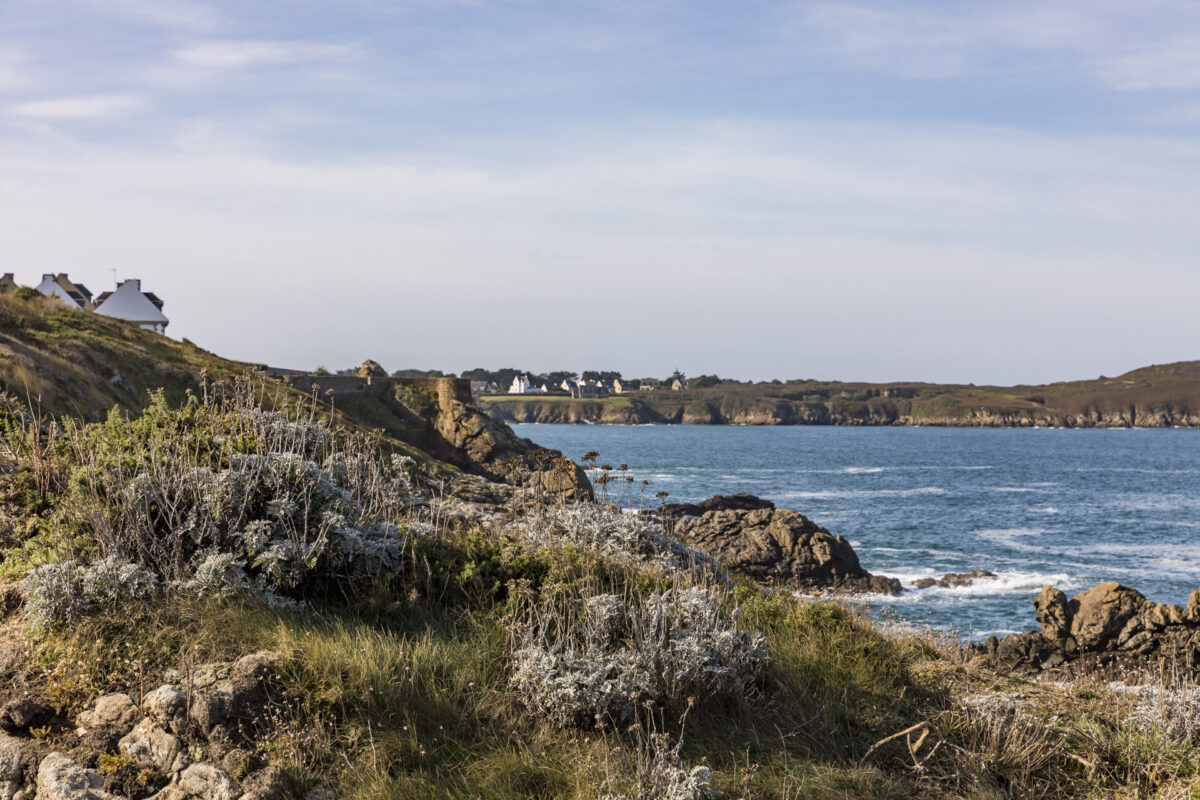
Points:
(460, 433)
(953, 580)
(772, 544)
(1109, 624)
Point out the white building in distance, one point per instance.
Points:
(131, 304)
(60, 286)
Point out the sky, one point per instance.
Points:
(989, 192)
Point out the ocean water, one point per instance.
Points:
(1069, 508)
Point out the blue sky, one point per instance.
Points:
(987, 192)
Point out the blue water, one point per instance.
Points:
(1070, 508)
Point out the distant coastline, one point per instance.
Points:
(1165, 396)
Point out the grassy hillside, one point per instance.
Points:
(237, 591)
(1155, 396)
(375, 646)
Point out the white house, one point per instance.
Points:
(618, 387)
(678, 384)
(75, 295)
(130, 303)
(522, 384)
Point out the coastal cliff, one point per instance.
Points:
(1154, 397)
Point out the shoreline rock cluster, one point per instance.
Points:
(1110, 625)
(750, 535)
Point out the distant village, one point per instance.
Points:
(127, 301)
(589, 384)
(578, 388)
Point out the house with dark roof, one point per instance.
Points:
(7, 282)
(61, 287)
(130, 303)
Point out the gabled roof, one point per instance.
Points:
(129, 303)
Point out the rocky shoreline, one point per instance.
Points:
(551, 412)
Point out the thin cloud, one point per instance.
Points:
(86, 107)
(1120, 43)
(1174, 65)
(239, 54)
(175, 14)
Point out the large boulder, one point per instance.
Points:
(741, 501)
(1110, 624)
(780, 545)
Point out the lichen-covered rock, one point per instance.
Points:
(12, 754)
(167, 706)
(201, 782)
(114, 711)
(150, 745)
(60, 778)
(783, 545)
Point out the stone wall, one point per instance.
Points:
(340, 385)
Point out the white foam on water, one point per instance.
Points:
(1017, 489)
(1006, 582)
(863, 470)
(1046, 510)
(830, 494)
(1012, 537)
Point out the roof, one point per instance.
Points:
(129, 303)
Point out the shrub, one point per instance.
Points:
(62, 592)
(219, 496)
(625, 538)
(1175, 711)
(596, 660)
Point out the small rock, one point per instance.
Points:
(269, 783)
(21, 713)
(201, 782)
(238, 762)
(150, 745)
(12, 778)
(953, 580)
(60, 778)
(167, 706)
(110, 711)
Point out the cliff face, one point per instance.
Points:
(1157, 397)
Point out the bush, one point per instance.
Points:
(62, 592)
(595, 661)
(625, 538)
(219, 496)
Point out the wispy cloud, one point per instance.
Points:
(1127, 45)
(236, 54)
(1174, 64)
(176, 14)
(85, 107)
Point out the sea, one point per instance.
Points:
(1069, 508)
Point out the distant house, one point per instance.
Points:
(588, 389)
(7, 282)
(648, 384)
(522, 384)
(483, 387)
(130, 303)
(678, 384)
(618, 387)
(568, 386)
(60, 286)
